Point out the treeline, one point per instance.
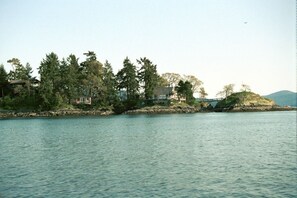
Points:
(63, 81)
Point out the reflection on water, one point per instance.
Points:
(214, 154)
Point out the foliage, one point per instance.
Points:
(148, 76)
(162, 82)
(3, 74)
(3, 81)
(92, 77)
(195, 82)
(244, 99)
(63, 82)
(50, 82)
(184, 89)
(128, 81)
(227, 91)
(109, 85)
(19, 71)
(172, 78)
(245, 87)
(70, 78)
(202, 93)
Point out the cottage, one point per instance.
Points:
(163, 93)
(83, 100)
(167, 93)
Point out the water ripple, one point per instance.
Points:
(200, 155)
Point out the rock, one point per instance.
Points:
(244, 101)
(163, 110)
(32, 114)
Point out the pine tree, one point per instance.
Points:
(92, 77)
(109, 81)
(128, 81)
(148, 76)
(70, 78)
(49, 89)
(3, 79)
(184, 89)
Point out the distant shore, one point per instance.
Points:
(256, 109)
(145, 110)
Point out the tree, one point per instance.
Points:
(184, 89)
(3, 79)
(227, 91)
(49, 71)
(245, 88)
(162, 82)
(202, 93)
(19, 72)
(148, 76)
(92, 77)
(128, 81)
(172, 78)
(109, 82)
(196, 83)
(23, 74)
(14, 62)
(70, 78)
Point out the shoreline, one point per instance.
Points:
(142, 111)
(255, 109)
(57, 113)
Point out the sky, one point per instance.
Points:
(219, 41)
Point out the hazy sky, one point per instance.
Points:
(219, 41)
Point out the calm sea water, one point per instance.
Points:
(183, 155)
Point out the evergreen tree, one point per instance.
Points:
(70, 78)
(195, 82)
(92, 77)
(184, 89)
(109, 81)
(28, 72)
(148, 76)
(128, 81)
(3, 80)
(49, 89)
(24, 75)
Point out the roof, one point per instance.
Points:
(163, 91)
(15, 82)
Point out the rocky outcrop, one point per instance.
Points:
(246, 101)
(163, 110)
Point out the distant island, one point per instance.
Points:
(246, 101)
(69, 87)
(284, 98)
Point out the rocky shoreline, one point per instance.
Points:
(145, 110)
(58, 113)
(163, 110)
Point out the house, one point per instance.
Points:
(163, 93)
(18, 85)
(83, 100)
(167, 93)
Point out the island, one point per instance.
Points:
(67, 87)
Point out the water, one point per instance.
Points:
(184, 155)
